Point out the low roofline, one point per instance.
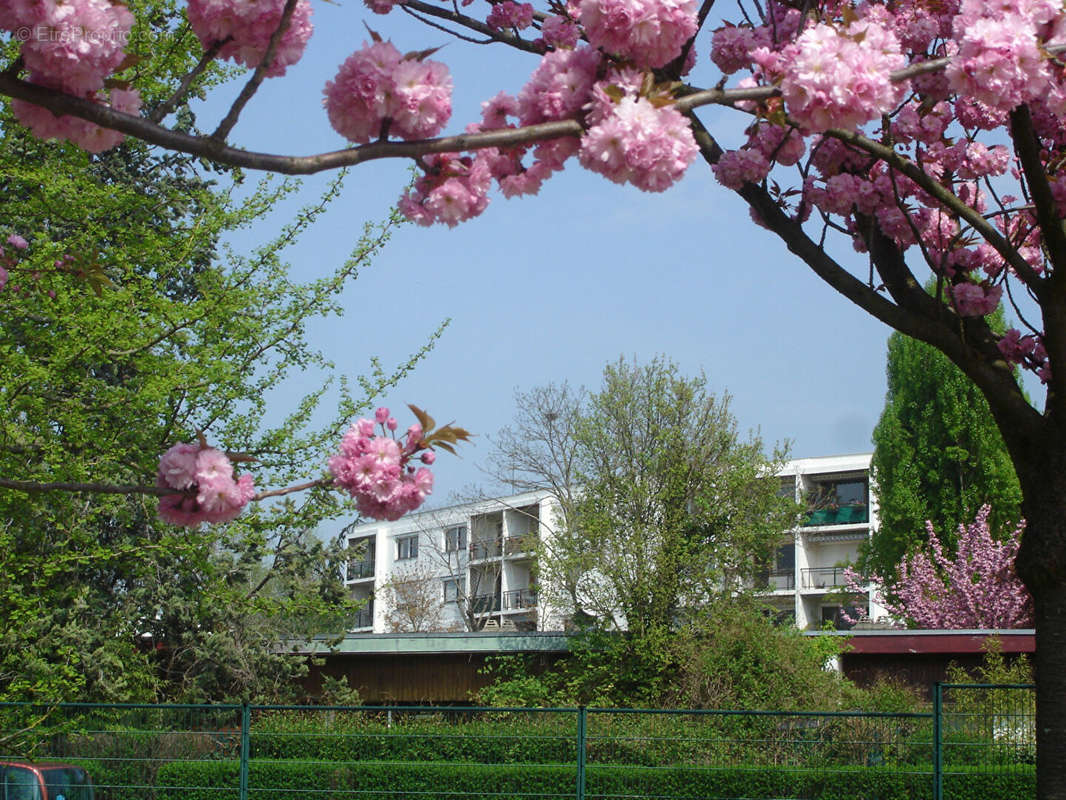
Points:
(917, 642)
(485, 505)
(1021, 640)
(434, 643)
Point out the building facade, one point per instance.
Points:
(465, 567)
(808, 573)
(471, 566)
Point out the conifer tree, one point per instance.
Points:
(938, 456)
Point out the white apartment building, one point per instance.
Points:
(475, 560)
(470, 565)
(809, 563)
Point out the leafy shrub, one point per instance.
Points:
(435, 781)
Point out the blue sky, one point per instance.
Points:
(551, 288)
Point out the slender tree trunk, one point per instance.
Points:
(1041, 565)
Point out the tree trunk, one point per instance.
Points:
(1050, 668)
(1041, 565)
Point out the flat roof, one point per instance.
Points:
(1021, 640)
(889, 642)
(435, 643)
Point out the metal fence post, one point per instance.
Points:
(938, 743)
(582, 723)
(246, 721)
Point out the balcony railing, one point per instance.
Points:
(360, 569)
(777, 579)
(841, 515)
(482, 549)
(823, 577)
(485, 603)
(525, 543)
(519, 598)
(364, 617)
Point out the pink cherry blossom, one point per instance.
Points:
(77, 44)
(840, 78)
(559, 32)
(650, 33)
(206, 490)
(977, 588)
(508, 14)
(998, 60)
(560, 85)
(453, 189)
(639, 143)
(975, 300)
(88, 136)
(377, 91)
(376, 472)
(737, 167)
(246, 27)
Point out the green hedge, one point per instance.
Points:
(629, 739)
(435, 781)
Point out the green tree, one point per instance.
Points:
(128, 328)
(663, 504)
(938, 456)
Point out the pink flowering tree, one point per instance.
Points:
(927, 134)
(976, 588)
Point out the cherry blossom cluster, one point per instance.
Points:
(204, 484)
(244, 28)
(377, 470)
(839, 71)
(73, 47)
(837, 77)
(380, 92)
(452, 188)
(636, 141)
(508, 14)
(836, 81)
(649, 33)
(977, 588)
(9, 256)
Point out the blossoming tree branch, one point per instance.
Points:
(927, 133)
(196, 483)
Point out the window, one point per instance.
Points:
(455, 539)
(838, 502)
(785, 557)
(406, 547)
(453, 588)
(836, 616)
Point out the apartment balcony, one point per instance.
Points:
(357, 570)
(520, 545)
(854, 514)
(777, 580)
(518, 599)
(483, 549)
(823, 577)
(485, 603)
(364, 618)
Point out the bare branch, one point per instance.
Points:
(475, 25)
(34, 487)
(252, 86)
(37, 487)
(163, 109)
